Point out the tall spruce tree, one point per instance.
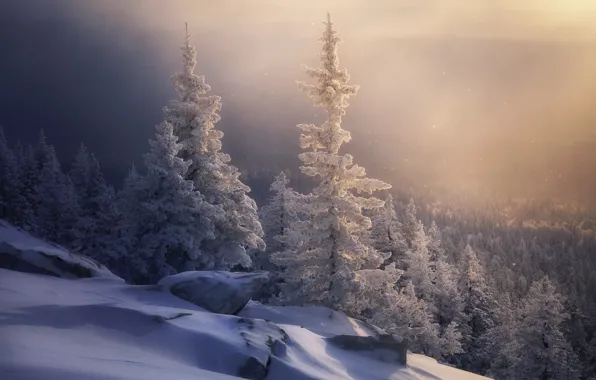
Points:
(448, 301)
(419, 269)
(99, 214)
(11, 199)
(325, 252)
(386, 234)
(276, 218)
(166, 220)
(539, 350)
(56, 208)
(478, 308)
(193, 116)
(29, 178)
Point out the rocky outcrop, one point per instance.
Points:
(217, 291)
(385, 347)
(22, 252)
(264, 340)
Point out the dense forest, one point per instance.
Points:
(504, 288)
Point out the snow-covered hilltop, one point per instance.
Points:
(99, 327)
(476, 292)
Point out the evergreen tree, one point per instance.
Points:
(419, 269)
(450, 340)
(435, 249)
(12, 202)
(166, 220)
(99, 214)
(325, 252)
(539, 350)
(276, 218)
(411, 224)
(29, 178)
(402, 313)
(193, 117)
(448, 303)
(478, 310)
(56, 208)
(447, 298)
(386, 235)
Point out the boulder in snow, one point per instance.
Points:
(22, 252)
(216, 291)
(382, 347)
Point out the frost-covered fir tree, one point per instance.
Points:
(419, 269)
(402, 313)
(193, 116)
(539, 350)
(12, 202)
(410, 224)
(478, 309)
(98, 217)
(386, 234)
(325, 252)
(29, 178)
(450, 340)
(448, 303)
(166, 220)
(56, 208)
(276, 218)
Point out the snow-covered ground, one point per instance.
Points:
(101, 328)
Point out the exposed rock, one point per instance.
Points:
(382, 347)
(264, 339)
(216, 291)
(253, 369)
(22, 252)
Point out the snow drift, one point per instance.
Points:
(22, 252)
(100, 328)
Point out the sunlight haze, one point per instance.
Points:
(490, 96)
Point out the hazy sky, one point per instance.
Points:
(482, 95)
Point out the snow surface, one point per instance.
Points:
(98, 328)
(47, 257)
(101, 328)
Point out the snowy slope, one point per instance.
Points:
(23, 252)
(100, 328)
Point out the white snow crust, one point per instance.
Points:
(100, 328)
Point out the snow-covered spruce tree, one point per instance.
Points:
(132, 266)
(276, 217)
(410, 224)
(418, 263)
(166, 220)
(478, 309)
(402, 313)
(539, 349)
(450, 340)
(12, 201)
(56, 208)
(325, 252)
(447, 299)
(28, 180)
(99, 214)
(386, 235)
(193, 117)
